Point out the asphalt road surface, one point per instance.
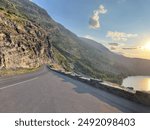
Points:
(47, 91)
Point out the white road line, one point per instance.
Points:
(18, 83)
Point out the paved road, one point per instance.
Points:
(47, 91)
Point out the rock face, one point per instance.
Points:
(28, 35)
(22, 43)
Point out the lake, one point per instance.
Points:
(137, 82)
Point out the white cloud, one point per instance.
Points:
(120, 36)
(94, 21)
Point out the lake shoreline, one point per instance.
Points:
(140, 83)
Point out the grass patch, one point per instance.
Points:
(11, 72)
(61, 60)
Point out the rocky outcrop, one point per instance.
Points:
(23, 44)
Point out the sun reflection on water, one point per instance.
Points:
(138, 82)
(149, 84)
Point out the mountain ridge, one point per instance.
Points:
(37, 39)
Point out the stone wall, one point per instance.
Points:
(135, 96)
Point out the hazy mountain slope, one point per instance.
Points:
(30, 37)
(131, 66)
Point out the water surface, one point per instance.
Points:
(137, 82)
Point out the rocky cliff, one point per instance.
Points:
(22, 42)
(27, 33)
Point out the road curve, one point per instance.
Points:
(46, 91)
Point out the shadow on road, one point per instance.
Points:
(113, 100)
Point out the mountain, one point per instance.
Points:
(130, 66)
(29, 37)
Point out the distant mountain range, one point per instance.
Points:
(29, 37)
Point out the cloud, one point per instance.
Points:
(130, 48)
(120, 36)
(113, 48)
(94, 21)
(113, 44)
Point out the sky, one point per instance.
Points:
(123, 26)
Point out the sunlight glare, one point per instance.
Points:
(147, 46)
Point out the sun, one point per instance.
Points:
(147, 46)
